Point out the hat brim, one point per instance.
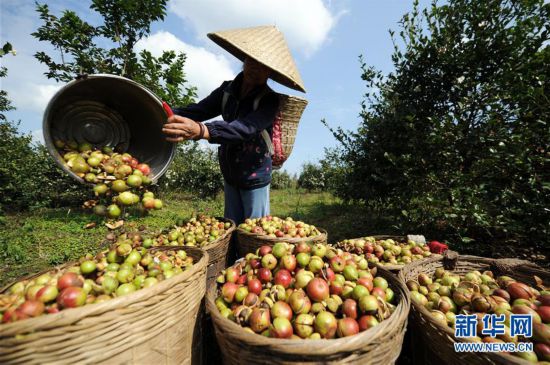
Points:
(275, 75)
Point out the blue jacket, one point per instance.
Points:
(243, 155)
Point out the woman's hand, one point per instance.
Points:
(179, 129)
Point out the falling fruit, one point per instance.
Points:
(110, 173)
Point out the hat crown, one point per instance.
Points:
(265, 44)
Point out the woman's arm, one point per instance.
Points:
(181, 127)
(207, 108)
(242, 129)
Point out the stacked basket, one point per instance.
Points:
(158, 324)
(165, 323)
(378, 345)
(434, 342)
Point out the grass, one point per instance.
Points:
(33, 241)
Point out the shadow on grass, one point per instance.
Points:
(341, 220)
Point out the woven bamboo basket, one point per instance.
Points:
(291, 108)
(156, 325)
(250, 242)
(217, 253)
(433, 343)
(378, 345)
(391, 267)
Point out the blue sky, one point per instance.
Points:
(325, 37)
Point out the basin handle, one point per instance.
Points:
(167, 109)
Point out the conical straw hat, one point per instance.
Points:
(265, 44)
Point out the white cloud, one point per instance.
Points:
(305, 23)
(41, 94)
(203, 69)
(27, 87)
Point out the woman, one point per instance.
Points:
(248, 107)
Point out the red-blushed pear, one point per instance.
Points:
(144, 168)
(148, 203)
(318, 290)
(71, 297)
(30, 308)
(69, 279)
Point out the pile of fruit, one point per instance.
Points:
(119, 180)
(304, 292)
(445, 295)
(277, 227)
(113, 273)
(385, 252)
(196, 231)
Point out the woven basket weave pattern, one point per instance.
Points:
(250, 242)
(292, 108)
(433, 342)
(160, 324)
(265, 44)
(378, 345)
(217, 252)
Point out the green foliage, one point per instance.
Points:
(5, 103)
(57, 189)
(17, 166)
(124, 23)
(334, 171)
(164, 76)
(29, 178)
(195, 170)
(454, 142)
(280, 179)
(312, 177)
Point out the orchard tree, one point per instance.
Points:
(5, 103)
(194, 169)
(83, 48)
(281, 179)
(455, 141)
(312, 177)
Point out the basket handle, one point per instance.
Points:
(450, 259)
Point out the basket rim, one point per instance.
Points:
(400, 267)
(294, 99)
(296, 347)
(51, 319)
(446, 330)
(323, 232)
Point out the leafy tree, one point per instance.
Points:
(5, 103)
(455, 140)
(311, 177)
(334, 171)
(124, 23)
(280, 179)
(29, 177)
(16, 166)
(194, 170)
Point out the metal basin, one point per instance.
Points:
(109, 110)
